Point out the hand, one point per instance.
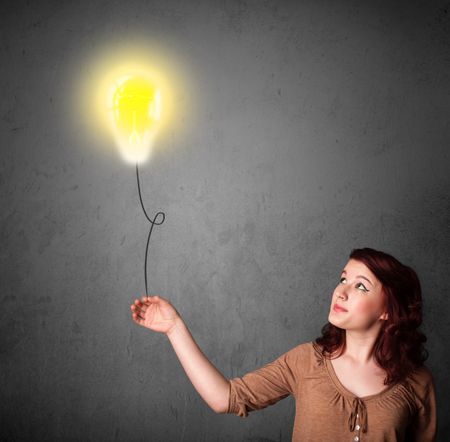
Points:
(155, 313)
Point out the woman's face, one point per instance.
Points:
(360, 293)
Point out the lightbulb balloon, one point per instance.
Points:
(135, 105)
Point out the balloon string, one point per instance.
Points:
(152, 222)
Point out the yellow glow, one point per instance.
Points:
(126, 96)
(135, 110)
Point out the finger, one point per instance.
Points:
(145, 300)
(139, 309)
(138, 317)
(138, 321)
(138, 303)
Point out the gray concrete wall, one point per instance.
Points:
(307, 129)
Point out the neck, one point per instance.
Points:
(359, 347)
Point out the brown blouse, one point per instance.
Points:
(327, 411)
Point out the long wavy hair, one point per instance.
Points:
(399, 348)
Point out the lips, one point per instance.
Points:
(338, 308)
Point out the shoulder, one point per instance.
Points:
(302, 355)
(300, 361)
(421, 377)
(303, 350)
(421, 382)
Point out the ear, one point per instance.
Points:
(384, 316)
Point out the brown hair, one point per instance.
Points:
(399, 346)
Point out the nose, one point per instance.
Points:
(341, 294)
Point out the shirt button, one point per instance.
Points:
(356, 438)
(357, 427)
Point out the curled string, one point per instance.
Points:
(152, 222)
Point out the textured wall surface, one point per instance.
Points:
(315, 128)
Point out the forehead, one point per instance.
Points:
(354, 267)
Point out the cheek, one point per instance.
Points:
(364, 308)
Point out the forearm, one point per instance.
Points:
(212, 386)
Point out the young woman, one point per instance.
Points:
(364, 379)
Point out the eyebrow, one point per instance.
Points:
(360, 276)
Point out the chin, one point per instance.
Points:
(332, 320)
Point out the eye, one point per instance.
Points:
(362, 285)
(359, 284)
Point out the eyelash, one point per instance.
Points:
(365, 290)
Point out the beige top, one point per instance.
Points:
(327, 411)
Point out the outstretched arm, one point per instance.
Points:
(158, 314)
(212, 386)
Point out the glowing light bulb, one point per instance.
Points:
(135, 103)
